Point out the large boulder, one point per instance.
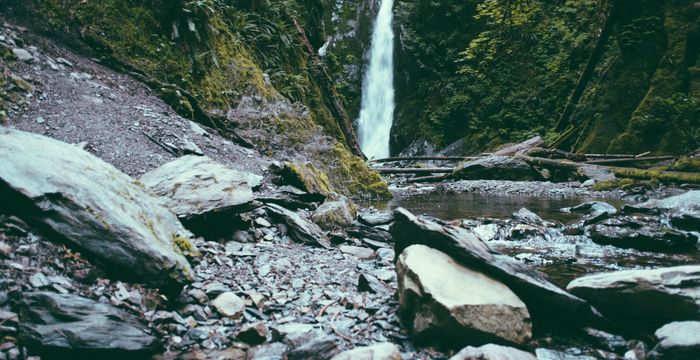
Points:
(443, 301)
(678, 340)
(89, 203)
(545, 301)
(204, 194)
(686, 202)
(644, 298)
(196, 185)
(300, 229)
(69, 326)
(497, 168)
(337, 212)
(492, 352)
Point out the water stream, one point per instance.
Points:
(377, 112)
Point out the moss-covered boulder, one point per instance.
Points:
(336, 212)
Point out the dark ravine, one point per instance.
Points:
(135, 232)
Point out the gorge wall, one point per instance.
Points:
(477, 74)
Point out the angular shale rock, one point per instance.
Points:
(91, 204)
(338, 213)
(492, 352)
(545, 301)
(678, 340)
(644, 298)
(648, 238)
(382, 351)
(443, 301)
(300, 229)
(72, 326)
(197, 185)
(496, 168)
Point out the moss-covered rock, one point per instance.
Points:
(337, 212)
(307, 177)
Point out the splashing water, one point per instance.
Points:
(377, 114)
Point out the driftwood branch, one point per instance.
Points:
(414, 170)
(424, 158)
(629, 160)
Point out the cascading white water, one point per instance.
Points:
(377, 113)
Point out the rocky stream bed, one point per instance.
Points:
(116, 245)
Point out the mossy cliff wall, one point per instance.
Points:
(497, 71)
(233, 59)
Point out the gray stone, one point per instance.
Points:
(441, 299)
(39, 280)
(375, 219)
(273, 351)
(300, 229)
(93, 205)
(646, 299)
(23, 55)
(69, 325)
(336, 212)
(362, 253)
(492, 352)
(196, 185)
(229, 305)
(678, 340)
(527, 216)
(381, 351)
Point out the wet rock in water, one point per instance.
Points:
(337, 212)
(254, 334)
(527, 216)
(196, 185)
(607, 341)
(273, 351)
(307, 178)
(594, 211)
(678, 340)
(688, 202)
(229, 305)
(497, 168)
(94, 206)
(592, 208)
(375, 219)
(648, 238)
(300, 229)
(644, 299)
(492, 352)
(545, 301)
(547, 354)
(445, 302)
(73, 326)
(687, 222)
(360, 252)
(382, 351)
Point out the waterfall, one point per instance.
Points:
(377, 113)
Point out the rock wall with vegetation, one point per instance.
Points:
(221, 63)
(497, 71)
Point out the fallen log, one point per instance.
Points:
(520, 148)
(424, 158)
(661, 176)
(546, 301)
(628, 160)
(432, 178)
(414, 170)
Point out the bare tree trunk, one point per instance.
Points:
(610, 20)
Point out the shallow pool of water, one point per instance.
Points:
(475, 205)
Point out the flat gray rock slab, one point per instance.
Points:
(94, 206)
(72, 325)
(644, 298)
(196, 185)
